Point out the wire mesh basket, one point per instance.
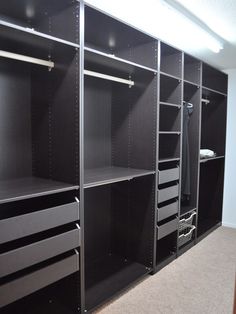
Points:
(186, 234)
(188, 220)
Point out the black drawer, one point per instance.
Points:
(37, 252)
(23, 286)
(24, 225)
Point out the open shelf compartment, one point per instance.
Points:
(119, 240)
(192, 69)
(115, 136)
(109, 38)
(170, 90)
(170, 119)
(214, 79)
(171, 60)
(213, 125)
(210, 195)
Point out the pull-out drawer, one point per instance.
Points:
(21, 226)
(168, 193)
(23, 286)
(167, 211)
(167, 228)
(168, 175)
(37, 252)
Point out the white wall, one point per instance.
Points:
(229, 208)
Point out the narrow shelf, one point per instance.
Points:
(108, 60)
(192, 83)
(30, 36)
(172, 76)
(168, 159)
(107, 175)
(170, 132)
(169, 104)
(29, 187)
(210, 159)
(108, 276)
(214, 91)
(186, 210)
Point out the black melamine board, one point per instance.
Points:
(117, 38)
(109, 276)
(170, 90)
(171, 60)
(214, 79)
(210, 194)
(106, 175)
(120, 123)
(60, 297)
(29, 187)
(213, 126)
(119, 235)
(192, 69)
(169, 146)
(15, 120)
(170, 118)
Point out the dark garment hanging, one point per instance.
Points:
(185, 188)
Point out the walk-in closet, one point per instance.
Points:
(103, 177)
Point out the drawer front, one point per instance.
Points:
(37, 280)
(167, 211)
(167, 228)
(37, 252)
(168, 193)
(20, 226)
(168, 175)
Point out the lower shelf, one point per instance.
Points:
(186, 209)
(28, 187)
(108, 276)
(205, 226)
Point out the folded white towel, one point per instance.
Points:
(207, 153)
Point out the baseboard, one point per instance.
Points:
(228, 224)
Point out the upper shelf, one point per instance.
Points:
(171, 61)
(113, 37)
(100, 59)
(22, 188)
(192, 70)
(214, 79)
(10, 32)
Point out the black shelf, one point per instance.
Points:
(107, 175)
(214, 91)
(211, 159)
(108, 276)
(192, 70)
(104, 60)
(168, 159)
(13, 33)
(23, 188)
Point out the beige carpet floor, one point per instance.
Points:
(201, 281)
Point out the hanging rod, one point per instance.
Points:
(109, 77)
(15, 56)
(206, 101)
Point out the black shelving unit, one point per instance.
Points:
(91, 175)
(39, 204)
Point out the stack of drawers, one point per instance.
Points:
(37, 248)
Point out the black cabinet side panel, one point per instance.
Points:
(15, 124)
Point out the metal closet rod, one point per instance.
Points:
(109, 77)
(16, 56)
(205, 101)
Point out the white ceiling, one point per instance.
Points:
(218, 15)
